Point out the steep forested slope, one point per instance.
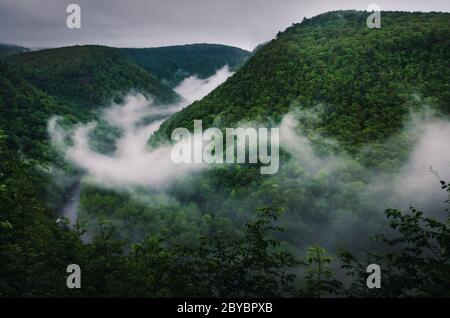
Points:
(24, 111)
(87, 76)
(363, 78)
(174, 63)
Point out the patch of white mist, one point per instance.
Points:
(133, 163)
(194, 88)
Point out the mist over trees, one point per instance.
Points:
(361, 114)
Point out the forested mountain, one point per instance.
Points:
(87, 76)
(362, 78)
(229, 231)
(172, 64)
(6, 49)
(24, 112)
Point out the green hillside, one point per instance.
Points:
(87, 76)
(6, 49)
(229, 231)
(172, 64)
(363, 79)
(24, 112)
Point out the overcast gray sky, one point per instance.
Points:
(145, 23)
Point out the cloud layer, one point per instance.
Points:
(351, 198)
(133, 163)
(194, 88)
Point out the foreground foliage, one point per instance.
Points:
(35, 251)
(210, 242)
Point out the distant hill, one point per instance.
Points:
(364, 80)
(172, 64)
(87, 76)
(6, 49)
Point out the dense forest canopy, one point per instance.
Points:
(88, 76)
(228, 231)
(25, 111)
(363, 78)
(172, 64)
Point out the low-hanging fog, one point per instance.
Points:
(133, 163)
(352, 197)
(194, 88)
(413, 183)
(330, 199)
